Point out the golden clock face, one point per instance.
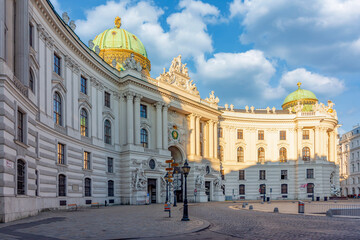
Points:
(175, 134)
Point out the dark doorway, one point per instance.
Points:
(178, 179)
(152, 190)
(207, 189)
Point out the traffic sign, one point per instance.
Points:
(169, 161)
(170, 180)
(169, 169)
(174, 164)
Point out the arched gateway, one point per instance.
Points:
(177, 155)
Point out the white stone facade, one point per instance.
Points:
(178, 123)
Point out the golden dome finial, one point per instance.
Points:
(299, 84)
(117, 22)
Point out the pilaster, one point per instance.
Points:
(137, 118)
(130, 117)
(158, 106)
(165, 127)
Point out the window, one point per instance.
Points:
(61, 153)
(283, 155)
(284, 188)
(110, 164)
(87, 187)
(241, 189)
(143, 111)
(57, 109)
(310, 188)
(84, 123)
(221, 153)
(262, 174)
(283, 174)
(110, 188)
(144, 138)
(107, 99)
(241, 174)
(261, 155)
(20, 177)
(57, 64)
(282, 135)
(240, 154)
(31, 34)
(220, 133)
(62, 185)
(86, 160)
(20, 126)
(306, 154)
(261, 135)
(309, 173)
(306, 134)
(83, 85)
(240, 134)
(107, 132)
(262, 189)
(31, 81)
(152, 164)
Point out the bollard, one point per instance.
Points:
(301, 208)
(251, 207)
(243, 205)
(329, 213)
(276, 210)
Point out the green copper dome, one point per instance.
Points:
(303, 96)
(118, 38)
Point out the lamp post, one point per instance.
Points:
(186, 170)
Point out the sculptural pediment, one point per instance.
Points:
(178, 76)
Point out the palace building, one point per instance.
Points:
(87, 123)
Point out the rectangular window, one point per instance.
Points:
(284, 188)
(107, 99)
(143, 111)
(306, 134)
(283, 174)
(261, 135)
(282, 135)
(61, 153)
(83, 85)
(31, 33)
(242, 189)
(262, 174)
(110, 165)
(310, 173)
(241, 174)
(20, 126)
(86, 160)
(57, 64)
(240, 134)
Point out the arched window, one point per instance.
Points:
(84, 123)
(306, 154)
(241, 189)
(310, 188)
(57, 109)
(221, 153)
(240, 154)
(110, 188)
(31, 81)
(284, 188)
(62, 185)
(107, 132)
(261, 155)
(283, 155)
(144, 138)
(21, 180)
(87, 187)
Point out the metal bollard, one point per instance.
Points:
(243, 205)
(251, 207)
(276, 210)
(301, 206)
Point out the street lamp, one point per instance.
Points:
(186, 170)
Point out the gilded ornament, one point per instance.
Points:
(117, 22)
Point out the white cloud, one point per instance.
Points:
(187, 34)
(317, 33)
(326, 86)
(57, 7)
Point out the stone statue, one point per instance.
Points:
(131, 63)
(65, 17)
(252, 109)
(200, 181)
(212, 99)
(91, 44)
(139, 180)
(97, 49)
(72, 25)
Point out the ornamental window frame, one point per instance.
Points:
(240, 154)
(143, 111)
(62, 185)
(241, 174)
(240, 134)
(284, 188)
(107, 99)
(61, 153)
(261, 135)
(144, 137)
(242, 189)
(57, 64)
(84, 122)
(107, 132)
(57, 108)
(87, 160)
(306, 154)
(261, 155)
(283, 154)
(87, 187)
(83, 85)
(110, 184)
(110, 165)
(306, 134)
(283, 135)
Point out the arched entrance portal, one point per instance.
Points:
(178, 177)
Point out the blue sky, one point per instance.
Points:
(250, 52)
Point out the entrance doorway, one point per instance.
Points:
(178, 176)
(207, 189)
(152, 190)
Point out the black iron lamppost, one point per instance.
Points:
(186, 170)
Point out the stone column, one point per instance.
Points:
(197, 135)
(316, 143)
(211, 139)
(22, 41)
(299, 142)
(331, 147)
(158, 106)
(130, 118)
(206, 139)
(192, 134)
(165, 127)
(215, 136)
(2, 29)
(122, 119)
(137, 118)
